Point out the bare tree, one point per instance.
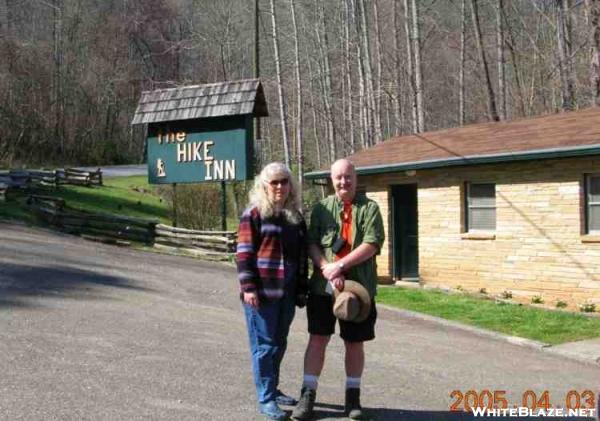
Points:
(374, 124)
(300, 155)
(398, 74)
(517, 72)
(491, 98)
(418, 73)
(280, 93)
(593, 7)
(564, 39)
(58, 100)
(461, 72)
(4, 18)
(348, 70)
(410, 68)
(500, 48)
(322, 40)
(378, 93)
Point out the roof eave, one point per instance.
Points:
(470, 160)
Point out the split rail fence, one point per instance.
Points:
(214, 245)
(22, 179)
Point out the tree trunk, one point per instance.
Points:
(374, 124)
(563, 33)
(4, 32)
(58, 82)
(500, 47)
(280, 93)
(298, 97)
(347, 68)
(378, 90)
(516, 70)
(326, 79)
(363, 115)
(313, 108)
(398, 71)
(461, 72)
(418, 72)
(410, 68)
(593, 7)
(491, 99)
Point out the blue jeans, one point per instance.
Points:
(268, 328)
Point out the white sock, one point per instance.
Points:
(352, 382)
(312, 382)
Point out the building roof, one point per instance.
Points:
(238, 97)
(550, 136)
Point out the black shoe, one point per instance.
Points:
(304, 409)
(352, 408)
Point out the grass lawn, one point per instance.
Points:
(125, 196)
(552, 327)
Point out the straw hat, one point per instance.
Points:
(353, 304)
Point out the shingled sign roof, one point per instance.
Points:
(239, 97)
(567, 134)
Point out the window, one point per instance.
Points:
(592, 198)
(481, 207)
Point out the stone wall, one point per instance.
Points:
(538, 247)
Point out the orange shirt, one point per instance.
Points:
(346, 231)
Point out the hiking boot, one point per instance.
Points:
(352, 408)
(272, 411)
(283, 399)
(304, 409)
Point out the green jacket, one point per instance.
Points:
(367, 227)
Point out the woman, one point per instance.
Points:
(272, 271)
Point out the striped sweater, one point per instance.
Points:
(265, 247)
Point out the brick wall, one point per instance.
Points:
(538, 247)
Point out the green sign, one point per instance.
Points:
(201, 150)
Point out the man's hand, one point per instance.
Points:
(339, 282)
(251, 298)
(331, 271)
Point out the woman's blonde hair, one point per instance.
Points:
(258, 196)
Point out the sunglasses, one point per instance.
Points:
(282, 182)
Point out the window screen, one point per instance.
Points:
(481, 206)
(593, 203)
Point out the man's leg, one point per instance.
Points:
(354, 335)
(314, 357)
(321, 324)
(355, 359)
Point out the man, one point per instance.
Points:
(345, 234)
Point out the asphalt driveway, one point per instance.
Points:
(90, 331)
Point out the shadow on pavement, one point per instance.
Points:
(19, 282)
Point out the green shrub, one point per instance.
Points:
(561, 304)
(198, 206)
(588, 307)
(537, 299)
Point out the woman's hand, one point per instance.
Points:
(251, 298)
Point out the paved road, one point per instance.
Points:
(90, 331)
(120, 170)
